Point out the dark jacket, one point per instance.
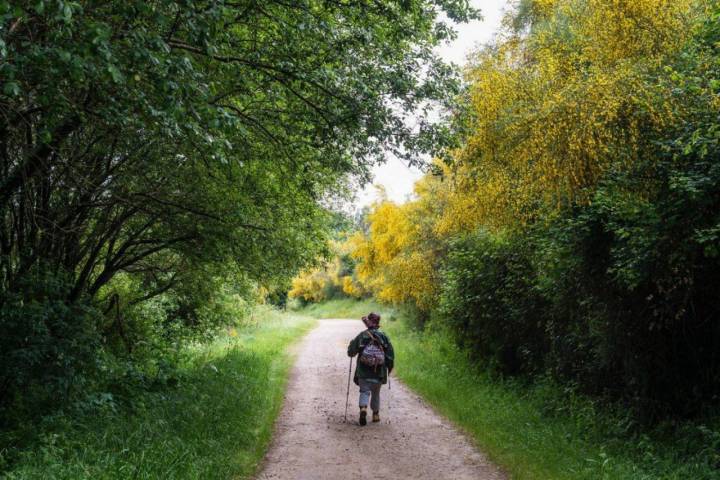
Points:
(364, 371)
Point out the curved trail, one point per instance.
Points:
(313, 443)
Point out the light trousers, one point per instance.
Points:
(370, 389)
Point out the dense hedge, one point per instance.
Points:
(48, 346)
(489, 297)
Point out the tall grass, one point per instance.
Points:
(215, 423)
(541, 430)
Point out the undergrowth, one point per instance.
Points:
(214, 421)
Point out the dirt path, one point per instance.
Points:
(312, 442)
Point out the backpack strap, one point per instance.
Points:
(376, 340)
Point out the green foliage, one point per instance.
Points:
(616, 295)
(47, 346)
(215, 421)
(488, 298)
(629, 256)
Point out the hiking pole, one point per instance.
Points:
(347, 396)
(389, 396)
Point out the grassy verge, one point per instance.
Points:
(342, 308)
(542, 431)
(215, 423)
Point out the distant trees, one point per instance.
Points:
(150, 149)
(334, 278)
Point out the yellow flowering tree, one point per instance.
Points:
(397, 259)
(318, 283)
(556, 108)
(333, 277)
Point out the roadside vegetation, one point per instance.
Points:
(339, 308)
(211, 419)
(575, 235)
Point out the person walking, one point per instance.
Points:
(375, 362)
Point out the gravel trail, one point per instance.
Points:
(312, 442)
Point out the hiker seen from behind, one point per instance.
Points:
(375, 362)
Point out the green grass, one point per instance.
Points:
(215, 423)
(540, 431)
(343, 308)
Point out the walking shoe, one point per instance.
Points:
(363, 416)
(376, 416)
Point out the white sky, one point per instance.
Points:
(394, 175)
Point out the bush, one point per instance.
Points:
(617, 294)
(632, 282)
(56, 354)
(47, 345)
(488, 298)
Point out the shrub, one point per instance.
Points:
(632, 280)
(47, 345)
(489, 300)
